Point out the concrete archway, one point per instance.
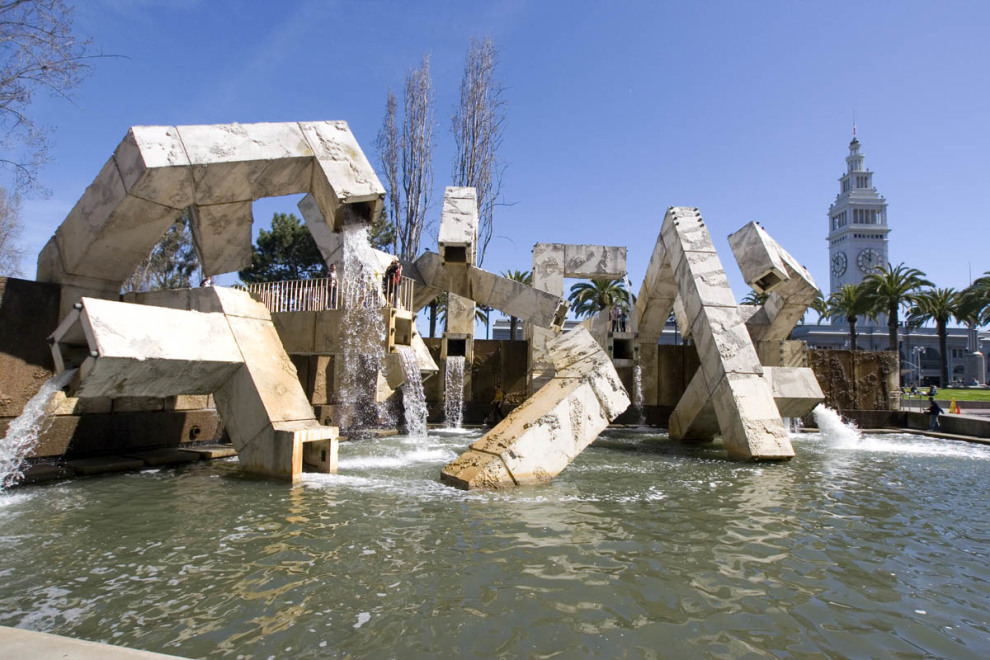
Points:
(217, 171)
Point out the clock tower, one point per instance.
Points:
(857, 222)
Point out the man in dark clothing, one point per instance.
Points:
(934, 410)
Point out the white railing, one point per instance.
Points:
(319, 294)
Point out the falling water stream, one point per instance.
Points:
(638, 394)
(23, 432)
(364, 350)
(453, 401)
(413, 398)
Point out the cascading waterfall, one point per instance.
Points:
(413, 399)
(364, 332)
(638, 395)
(23, 432)
(453, 402)
(834, 429)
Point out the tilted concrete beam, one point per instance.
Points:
(769, 268)
(537, 440)
(157, 171)
(200, 341)
(731, 376)
(507, 296)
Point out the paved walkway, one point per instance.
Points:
(16, 643)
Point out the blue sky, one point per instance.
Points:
(616, 110)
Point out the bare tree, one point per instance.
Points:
(10, 232)
(38, 52)
(407, 159)
(387, 145)
(477, 128)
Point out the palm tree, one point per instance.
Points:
(589, 298)
(438, 309)
(974, 302)
(526, 277)
(754, 297)
(937, 305)
(850, 302)
(888, 289)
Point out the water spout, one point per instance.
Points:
(413, 398)
(836, 431)
(638, 395)
(453, 403)
(24, 432)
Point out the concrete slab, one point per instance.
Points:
(104, 464)
(157, 457)
(20, 643)
(211, 452)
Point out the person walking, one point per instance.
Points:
(934, 410)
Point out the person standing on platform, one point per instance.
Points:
(934, 410)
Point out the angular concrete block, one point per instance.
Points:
(458, 236)
(796, 391)
(542, 436)
(222, 236)
(594, 261)
(760, 262)
(329, 242)
(148, 351)
(749, 420)
(153, 164)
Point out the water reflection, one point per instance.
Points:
(642, 547)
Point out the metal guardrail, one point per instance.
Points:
(319, 294)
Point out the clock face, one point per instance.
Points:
(839, 263)
(868, 260)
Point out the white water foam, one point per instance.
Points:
(453, 401)
(413, 398)
(837, 433)
(23, 432)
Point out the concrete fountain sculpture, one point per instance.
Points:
(210, 340)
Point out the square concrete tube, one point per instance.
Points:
(157, 171)
(767, 267)
(230, 348)
(537, 440)
(458, 236)
(552, 262)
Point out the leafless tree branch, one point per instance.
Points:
(477, 128)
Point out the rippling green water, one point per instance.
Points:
(639, 549)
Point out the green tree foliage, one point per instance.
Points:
(938, 305)
(381, 234)
(589, 298)
(171, 263)
(754, 297)
(974, 303)
(888, 289)
(526, 277)
(850, 302)
(438, 310)
(287, 252)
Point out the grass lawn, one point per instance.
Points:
(959, 395)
